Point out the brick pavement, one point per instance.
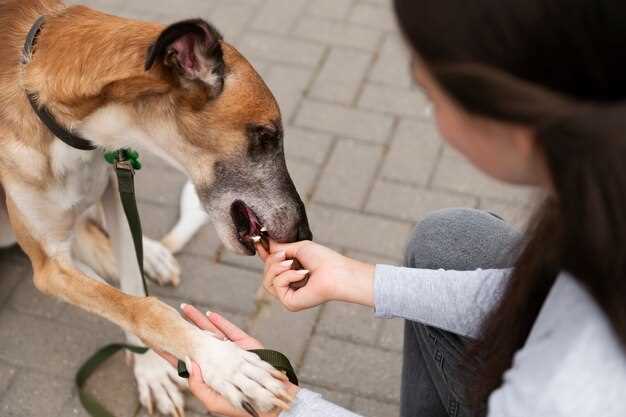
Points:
(364, 154)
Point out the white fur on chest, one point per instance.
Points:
(80, 177)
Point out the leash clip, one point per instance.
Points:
(125, 165)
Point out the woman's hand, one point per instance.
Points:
(332, 276)
(224, 329)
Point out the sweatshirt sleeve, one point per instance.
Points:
(311, 404)
(456, 301)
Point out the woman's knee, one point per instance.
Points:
(462, 239)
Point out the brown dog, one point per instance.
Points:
(178, 91)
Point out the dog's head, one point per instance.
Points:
(219, 121)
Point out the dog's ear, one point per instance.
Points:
(193, 49)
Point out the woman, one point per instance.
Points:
(498, 324)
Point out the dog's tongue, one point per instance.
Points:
(254, 222)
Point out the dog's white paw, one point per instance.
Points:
(239, 375)
(159, 385)
(159, 263)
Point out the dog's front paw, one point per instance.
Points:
(240, 376)
(159, 385)
(159, 263)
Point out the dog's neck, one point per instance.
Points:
(84, 60)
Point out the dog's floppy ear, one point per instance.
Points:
(193, 49)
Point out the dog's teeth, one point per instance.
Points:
(263, 229)
(256, 239)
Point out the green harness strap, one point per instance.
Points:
(126, 161)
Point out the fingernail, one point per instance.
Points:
(287, 263)
(281, 254)
(183, 305)
(208, 313)
(302, 272)
(188, 365)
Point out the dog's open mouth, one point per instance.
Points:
(247, 224)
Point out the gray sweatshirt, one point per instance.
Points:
(571, 365)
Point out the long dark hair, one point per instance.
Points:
(559, 67)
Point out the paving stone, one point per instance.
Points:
(366, 371)
(518, 215)
(231, 18)
(372, 408)
(333, 9)
(392, 64)
(379, 17)
(414, 153)
(396, 101)
(288, 84)
(52, 347)
(411, 204)
(205, 243)
(164, 10)
(342, 399)
(28, 299)
(279, 16)
(7, 374)
(286, 332)
(306, 145)
(303, 176)
(113, 384)
(455, 173)
(341, 75)
(165, 191)
(216, 285)
(13, 272)
(357, 231)
(280, 49)
(35, 394)
(392, 335)
(157, 220)
(349, 322)
(343, 121)
(248, 262)
(339, 185)
(332, 32)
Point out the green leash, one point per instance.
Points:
(126, 161)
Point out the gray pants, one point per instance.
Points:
(454, 239)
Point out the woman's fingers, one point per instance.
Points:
(283, 280)
(271, 262)
(200, 320)
(291, 249)
(231, 331)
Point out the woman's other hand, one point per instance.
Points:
(223, 329)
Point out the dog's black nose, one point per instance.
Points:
(304, 232)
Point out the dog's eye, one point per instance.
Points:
(262, 140)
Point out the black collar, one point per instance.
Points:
(42, 111)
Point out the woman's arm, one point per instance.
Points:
(455, 301)
(311, 404)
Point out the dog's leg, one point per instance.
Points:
(235, 373)
(157, 382)
(92, 246)
(192, 218)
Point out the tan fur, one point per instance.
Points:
(83, 61)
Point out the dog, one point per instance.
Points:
(190, 98)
